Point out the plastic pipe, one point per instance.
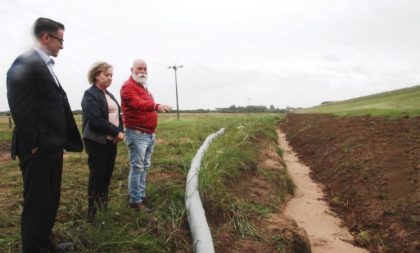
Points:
(202, 240)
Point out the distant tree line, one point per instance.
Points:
(249, 108)
(230, 109)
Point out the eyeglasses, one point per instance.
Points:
(57, 38)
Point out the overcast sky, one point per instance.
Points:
(295, 53)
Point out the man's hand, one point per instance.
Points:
(164, 108)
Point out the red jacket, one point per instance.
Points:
(138, 107)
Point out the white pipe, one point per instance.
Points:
(202, 240)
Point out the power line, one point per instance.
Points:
(121, 48)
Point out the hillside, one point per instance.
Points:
(393, 103)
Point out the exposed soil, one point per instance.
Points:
(278, 233)
(4, 151)
(370, 168)
(311, 211)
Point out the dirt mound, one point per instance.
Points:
(370, 167)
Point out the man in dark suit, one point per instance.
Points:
(44, 127)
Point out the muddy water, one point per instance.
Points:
(312, 213)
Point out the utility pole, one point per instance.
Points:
(175, 67)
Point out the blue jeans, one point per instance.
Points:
(140, 147)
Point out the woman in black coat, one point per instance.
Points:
(102, 129)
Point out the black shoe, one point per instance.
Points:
(62, 247)
(135, 206)
(92, 208)
(139, 207)
(91, 217)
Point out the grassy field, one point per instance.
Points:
(5, 128)
(163, 228)
(391, 104)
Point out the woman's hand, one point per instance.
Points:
(119, 137)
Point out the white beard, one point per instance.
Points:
(141, 78)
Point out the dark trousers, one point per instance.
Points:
(101, 160)
(41, 174)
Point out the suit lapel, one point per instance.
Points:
(46, 71)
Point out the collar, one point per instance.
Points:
(47, 59)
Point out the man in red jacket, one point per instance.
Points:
(140, 121)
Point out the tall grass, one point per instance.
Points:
(162, 227)
(233, 157)
(5, 130)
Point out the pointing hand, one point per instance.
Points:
(164, 108)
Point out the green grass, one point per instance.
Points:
(397, 103)
(5, 130)
(229, 160)
(164, 228)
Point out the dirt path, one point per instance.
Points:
(311, 212)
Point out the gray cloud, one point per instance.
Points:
(285, 53)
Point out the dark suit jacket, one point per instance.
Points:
(95, 116)
(39, 108)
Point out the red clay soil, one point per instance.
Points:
(370, 167)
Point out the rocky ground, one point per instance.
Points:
(370, 167)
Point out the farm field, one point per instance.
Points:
(243, 183)
(370, 168)
(366, 157)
